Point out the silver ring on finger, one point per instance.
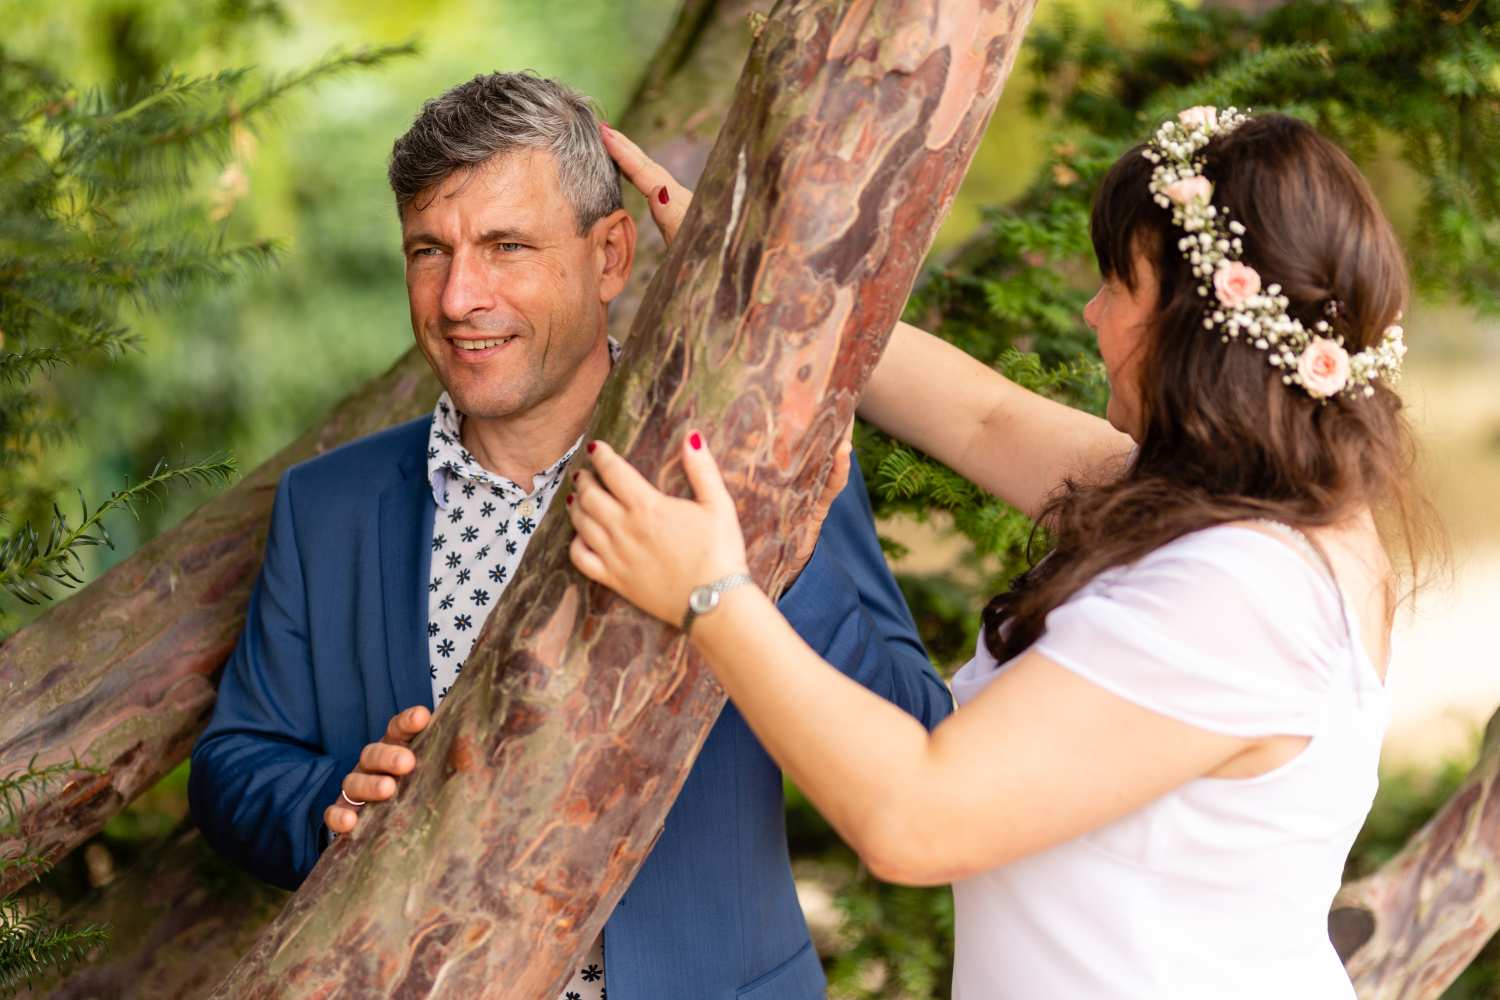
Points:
(347, 799)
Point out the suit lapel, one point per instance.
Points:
(406, 513)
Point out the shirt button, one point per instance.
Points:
(527, 508)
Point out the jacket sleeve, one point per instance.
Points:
(260, 778)
(847, 607)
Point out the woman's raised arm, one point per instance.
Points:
(1008, 440)
(1016, 444)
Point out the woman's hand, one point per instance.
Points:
(668, 199)
(650, 548)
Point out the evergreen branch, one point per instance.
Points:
(34, 865)
(91, 127)
(96, 334)
(14, 789)
(27, 561)
(29, 944)
(17, 367)
(25, 428)
(1241, 81)
(174, 90)
(329, 66)
(173, 267)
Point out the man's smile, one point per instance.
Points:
(474, 349)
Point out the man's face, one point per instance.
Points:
(507, 299)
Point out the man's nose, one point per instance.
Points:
(467, 289)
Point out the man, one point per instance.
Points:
(386, 555)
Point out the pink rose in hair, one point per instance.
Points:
(1195, 188)
(1204, 115)
(1324, 368)
(1235, 283)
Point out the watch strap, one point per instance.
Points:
(718, 586)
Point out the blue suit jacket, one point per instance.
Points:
(335, 643)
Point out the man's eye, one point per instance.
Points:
(511, 247)
(425, 251)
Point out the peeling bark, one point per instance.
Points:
(544, 779)
(1408, 930)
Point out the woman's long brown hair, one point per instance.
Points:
(1222, 438)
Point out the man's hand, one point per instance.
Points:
(838, 478)
(380, 764)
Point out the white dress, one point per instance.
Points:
(1221, 888)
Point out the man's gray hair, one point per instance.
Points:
(499, 113)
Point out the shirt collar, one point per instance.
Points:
(448, 461)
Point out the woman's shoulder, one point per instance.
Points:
(1240, 552)
(1237, 578)
(1229, 628)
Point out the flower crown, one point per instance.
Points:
(1314, 359)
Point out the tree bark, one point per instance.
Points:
(544, 779)
(124, 672)
(178, 919)
(1408, 930)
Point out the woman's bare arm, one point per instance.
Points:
(1008, 440)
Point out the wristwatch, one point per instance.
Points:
(704, 599)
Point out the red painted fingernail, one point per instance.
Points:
(592, 446)
(696, 440)
(662, 195)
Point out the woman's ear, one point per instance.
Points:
(614, 252)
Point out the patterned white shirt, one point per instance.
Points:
(480, 531)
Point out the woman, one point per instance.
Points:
(1167, 738)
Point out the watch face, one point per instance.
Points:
(703, 600)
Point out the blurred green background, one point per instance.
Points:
(246, 366)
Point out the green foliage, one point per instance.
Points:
(16, 788)
(30, 940)
(93, 229)
(1402, 75)
(905, 942)
(26, 559)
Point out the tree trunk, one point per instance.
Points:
(178, 919)
(124, 672)
(1408, 930)
(544, 779)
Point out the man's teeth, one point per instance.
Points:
(479, 345)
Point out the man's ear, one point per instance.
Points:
(614, 252)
